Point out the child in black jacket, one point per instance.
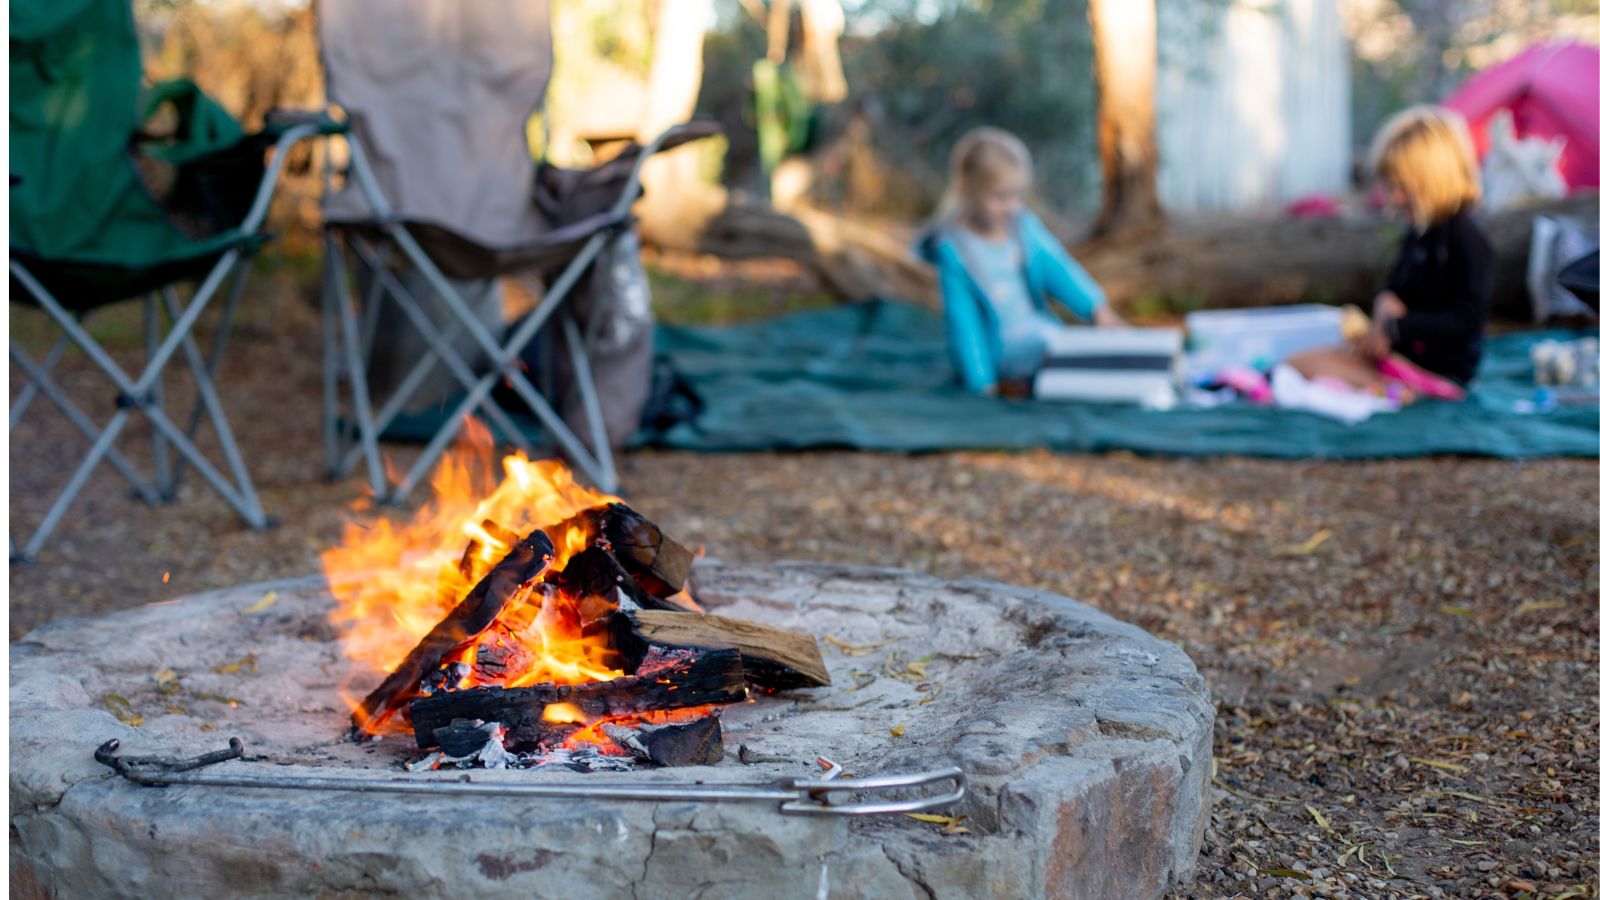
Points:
(1435, 303)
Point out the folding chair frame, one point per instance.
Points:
(142, 393)
(347, 346)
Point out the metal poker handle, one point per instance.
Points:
(827, 795)
(817, 793)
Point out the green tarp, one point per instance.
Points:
(876, 377)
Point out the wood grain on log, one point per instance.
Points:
(658, 563)
(775, 659)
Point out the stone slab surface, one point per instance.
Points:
(1087, 743)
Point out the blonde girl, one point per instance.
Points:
(999, 267)
(1434, 305)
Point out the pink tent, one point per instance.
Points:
(1551, 89)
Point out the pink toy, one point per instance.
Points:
(1420, 380)
(1250, 384)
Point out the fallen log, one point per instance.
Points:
(775, 659)
(1222, 263)
(697, 679)
(525, 561)
(853, 260)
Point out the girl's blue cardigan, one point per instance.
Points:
(970, 320)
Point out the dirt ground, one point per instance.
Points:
(1402, 653)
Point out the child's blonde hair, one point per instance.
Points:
(1425, 152)
(979, 160)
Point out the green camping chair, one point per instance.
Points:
(103, 212)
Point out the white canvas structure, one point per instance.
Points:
(1253, 103)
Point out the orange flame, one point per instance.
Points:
(394, 580)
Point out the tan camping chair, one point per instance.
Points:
(440, 191)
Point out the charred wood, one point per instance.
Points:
(694, 743)
(525, 561)
(672, 681)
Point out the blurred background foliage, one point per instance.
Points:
(921, 72)
(922, 77)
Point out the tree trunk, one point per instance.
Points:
(821, 70)
(676, 64)
(1125, 71)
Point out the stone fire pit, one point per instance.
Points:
(1086, 742)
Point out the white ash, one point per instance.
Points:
(584, 758)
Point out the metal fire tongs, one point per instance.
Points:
(827, 795)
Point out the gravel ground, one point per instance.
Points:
(1402, 653)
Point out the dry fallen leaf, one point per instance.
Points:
(267, 599)
(1308, 546)
(934, 818)
(850, 649)
(898, 730)
(1537, 605)
(248, 663)
(1321, 820)
(1440, 764)
(862, 679)
(123, 710)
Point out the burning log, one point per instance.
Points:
(665, 682)
(600, 582)
(694, 743)
(505, 536)
(525, 561)
(775, 659)
(659, 564)
(627, 554)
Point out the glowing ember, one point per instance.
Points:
(594, 734)
(562, 714)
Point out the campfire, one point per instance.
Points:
(535, 621)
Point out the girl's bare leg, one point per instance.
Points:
(1342, 363)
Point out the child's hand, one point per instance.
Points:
(1106, 317)
(1388, 306)
(1374, 344)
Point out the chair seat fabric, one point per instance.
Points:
(461, 255)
